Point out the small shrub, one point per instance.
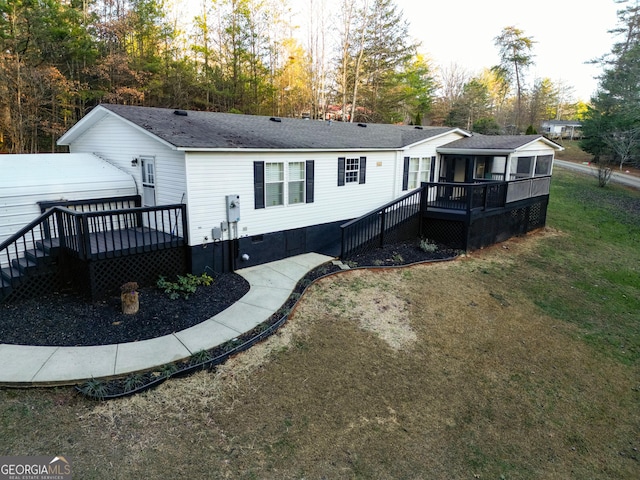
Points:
(167, 370)
(94, 389)
(185, 286)
(397, 258)
(427, 246)
(201, 356)
(133, 382)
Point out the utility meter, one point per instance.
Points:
(233, 208)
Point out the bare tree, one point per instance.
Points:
(624, 143)
(316, 47)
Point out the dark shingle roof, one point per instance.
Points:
(492, 142)
(212, 130)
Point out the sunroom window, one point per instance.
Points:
(543, 165)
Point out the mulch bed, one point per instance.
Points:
(66, 319)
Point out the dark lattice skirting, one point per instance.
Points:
(34, 286)
(448, 232)
(487, 228)
(102, 278)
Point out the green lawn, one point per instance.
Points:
(596, 264)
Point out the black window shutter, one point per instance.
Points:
(258, 184)
(341, 171)
(432, 170)
(405, 174)
(309, 178)
(363, 169)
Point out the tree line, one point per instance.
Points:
(612, 122)
(353, 60)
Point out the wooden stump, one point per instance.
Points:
(129, 298)
(130, 302)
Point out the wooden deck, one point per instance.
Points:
(115, 243)
(130, 241)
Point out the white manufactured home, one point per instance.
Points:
(295, 181)
(242, 190)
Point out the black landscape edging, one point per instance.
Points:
(209, 364)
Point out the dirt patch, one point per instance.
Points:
(373, 305)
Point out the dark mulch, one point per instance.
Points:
(398, 254)
(66, 319)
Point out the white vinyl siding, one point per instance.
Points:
(120, 144)
(425, 149)
(211, 176)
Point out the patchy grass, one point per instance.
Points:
(519, 361)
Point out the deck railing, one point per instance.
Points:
(484, 195)
(95, 204)
(465, 197)
(93, 235)
(374, 228)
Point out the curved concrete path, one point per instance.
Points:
(270, 287)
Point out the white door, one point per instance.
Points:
(148, 182)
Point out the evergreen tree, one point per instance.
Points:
(612, 123)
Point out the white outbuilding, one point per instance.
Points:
(27, 180)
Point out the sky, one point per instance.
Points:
(568, 34)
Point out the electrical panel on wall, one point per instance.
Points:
(233, 208)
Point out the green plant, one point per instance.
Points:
(201, 356)
(133, 381)
(168, 369)
(427, 246)
(94, 388)
(397, 258)
(185, 286)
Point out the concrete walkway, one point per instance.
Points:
(270, 287)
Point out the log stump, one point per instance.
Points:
(129, 298)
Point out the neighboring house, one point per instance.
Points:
(563, 129)
(239, 190)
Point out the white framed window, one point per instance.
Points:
(352, 170)
(418, 171)
(296, 182)
(274, 184)
(521, 167)
(543, 165)
(283, 183)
